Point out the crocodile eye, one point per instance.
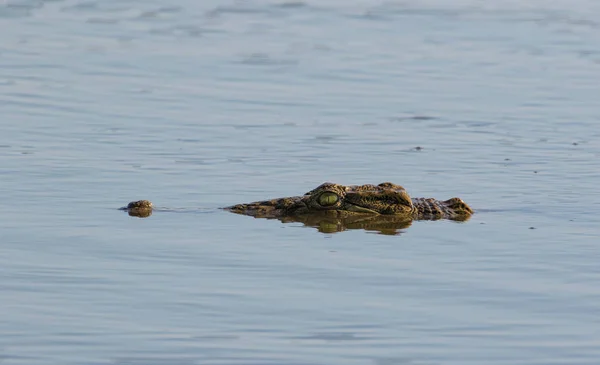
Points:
(328, 199)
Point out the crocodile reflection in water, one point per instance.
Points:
(345, 207)
(383, 224)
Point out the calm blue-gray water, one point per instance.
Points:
(197, 105)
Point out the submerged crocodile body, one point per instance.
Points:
(356, 204)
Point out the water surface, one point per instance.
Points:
(199, 105)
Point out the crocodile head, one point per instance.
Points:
(335, 200)
(349, 204)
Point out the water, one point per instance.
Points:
(199, 105)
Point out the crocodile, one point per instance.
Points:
(360, 206)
